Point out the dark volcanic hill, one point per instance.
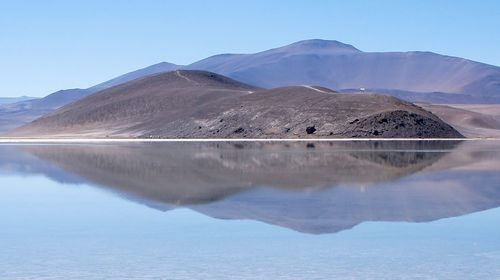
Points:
(198, 104)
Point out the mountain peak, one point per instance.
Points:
(188, 79)
(319, 45)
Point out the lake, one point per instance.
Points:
(250, 210)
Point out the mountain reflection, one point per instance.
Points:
(321, 187)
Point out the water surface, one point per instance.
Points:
(368, 210)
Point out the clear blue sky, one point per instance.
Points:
(55, 44)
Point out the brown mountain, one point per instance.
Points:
(198, 104)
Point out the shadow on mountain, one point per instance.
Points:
(317, 187)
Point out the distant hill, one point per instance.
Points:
(151, 70)
(16, 114)
(199, 104)
(10, 100)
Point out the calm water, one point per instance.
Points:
(397, 210)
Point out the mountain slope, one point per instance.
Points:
(22, 112)
(151, 70)
(143, 101)
(470, 120)
(206, 105)
(19, 113)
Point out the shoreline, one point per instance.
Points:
(137, 140)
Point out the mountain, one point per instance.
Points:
(145, 100)
(10, 100)
(412, 76)
(340, 66)
(19, 113)
(153, 69)
(199, 104)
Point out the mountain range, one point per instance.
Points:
(340, 66)
(413, 76)
(10, 100)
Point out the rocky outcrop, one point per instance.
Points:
(400, 124)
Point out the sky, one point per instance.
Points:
(50, 45)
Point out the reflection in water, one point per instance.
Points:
(315, 188)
